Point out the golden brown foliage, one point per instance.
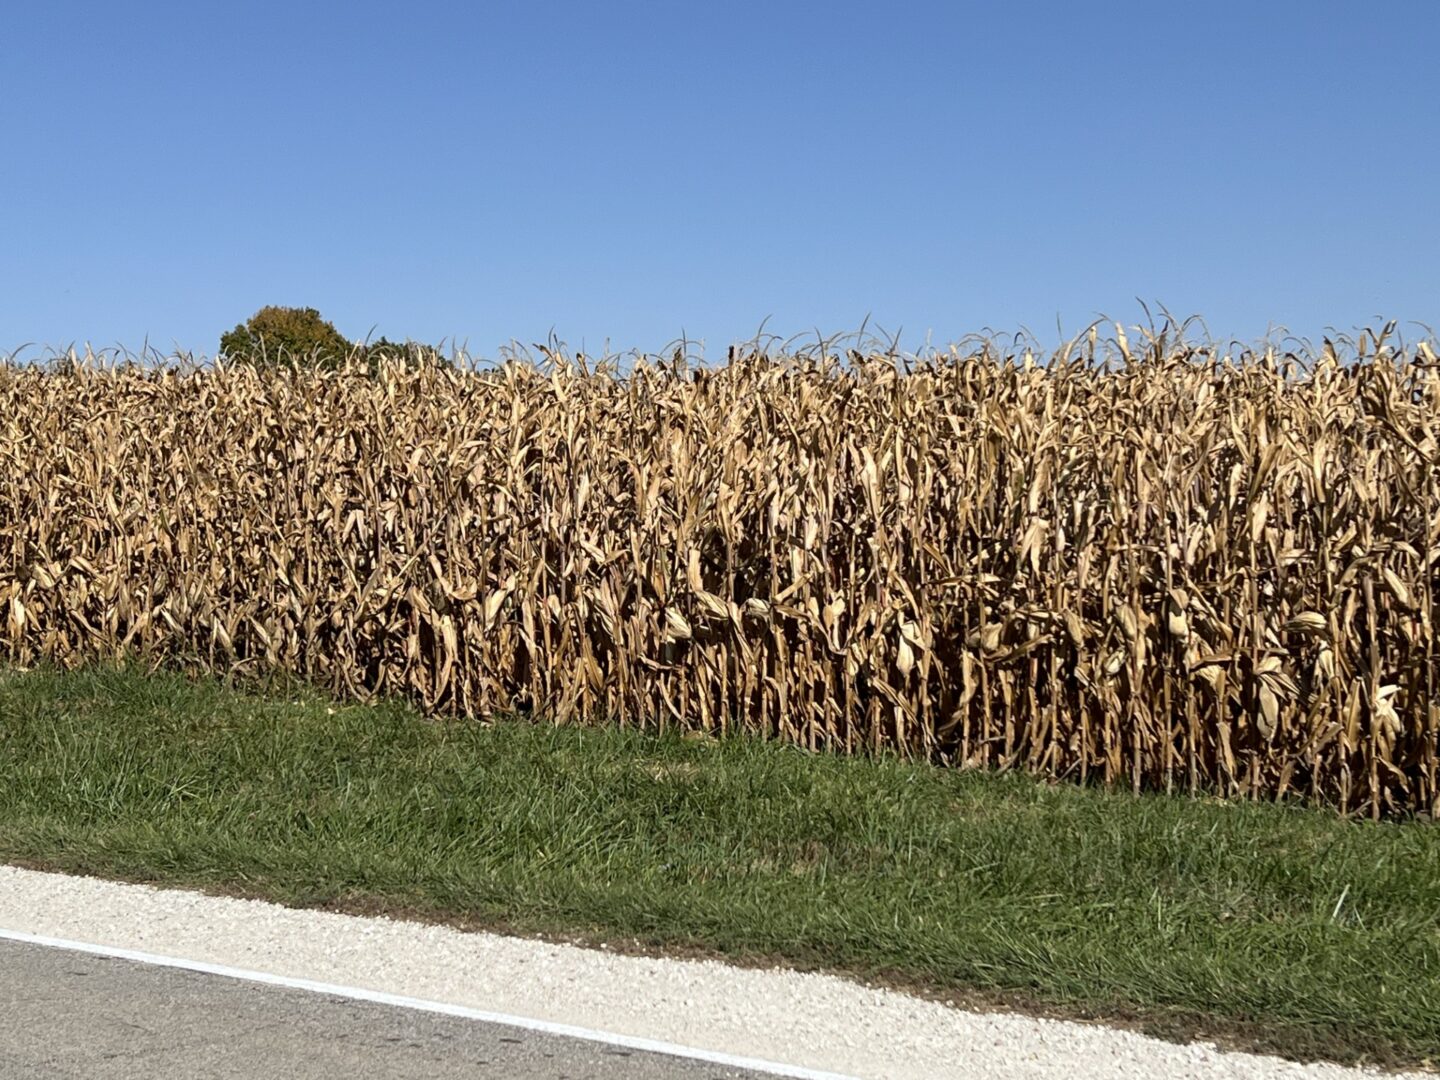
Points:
(1175, 572)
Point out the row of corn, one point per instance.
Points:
(1173, 569)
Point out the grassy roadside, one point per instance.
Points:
(1279, 929)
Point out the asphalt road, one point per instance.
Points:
(66, 1014)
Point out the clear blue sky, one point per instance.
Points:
(625, 171)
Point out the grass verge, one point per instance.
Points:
(1285, 930)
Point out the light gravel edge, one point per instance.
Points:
(812, 1022)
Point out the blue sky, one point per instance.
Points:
(624, 172)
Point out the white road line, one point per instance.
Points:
(356, 993)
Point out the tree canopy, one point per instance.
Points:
(295, 336)
(286, 335)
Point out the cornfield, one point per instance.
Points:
(1161, 567)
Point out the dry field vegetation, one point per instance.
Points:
(1141, 563)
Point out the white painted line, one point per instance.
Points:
(630, 1042)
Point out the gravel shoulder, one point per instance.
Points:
(811, 1021)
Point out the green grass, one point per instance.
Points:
(1285, 929)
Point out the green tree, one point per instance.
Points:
(408, 352)
(286, 335)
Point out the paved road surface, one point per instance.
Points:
(67, 1015)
